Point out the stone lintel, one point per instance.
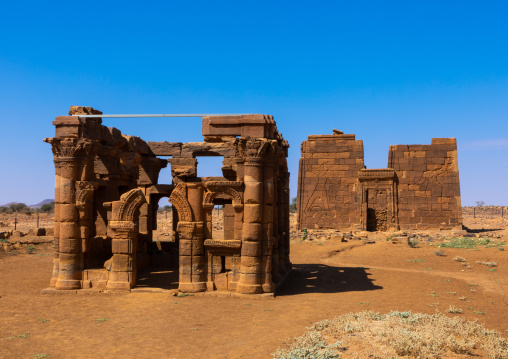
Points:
(377, 173)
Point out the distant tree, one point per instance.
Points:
(164, 209)
(292, 206)
(479, 203)
(18, 207)
(3, 209)
(48, 207)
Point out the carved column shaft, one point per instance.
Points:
(192, 251)
(56, 238)
(249, 282)
(124, 247)
(70, 254)
(280, 227)
(286, 221)
(268, 247)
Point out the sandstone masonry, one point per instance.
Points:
(107, 192)
(419, 189)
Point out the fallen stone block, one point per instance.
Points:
(37, 232)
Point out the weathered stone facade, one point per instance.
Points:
(107, 194)
(419, 189)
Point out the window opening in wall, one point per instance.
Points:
(165, 173)
(209, 166)
(218, 221)
(164, 231)
(226, 264)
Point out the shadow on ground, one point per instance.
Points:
(164, 278)
(304, 278)
(481, 230)
(320, 278)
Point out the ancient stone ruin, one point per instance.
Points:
(107, 192)
(419, 189)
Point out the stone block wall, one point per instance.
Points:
(419, 189)
(428, 184)
(328, 181)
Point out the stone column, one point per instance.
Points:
(281, 223)
(73, 158)
(70, 253)
(208, 230)
(286, 221)
(193, 265)
(267, 245)
(56, 238)
(207, 234)
(84, 204)
(249, 282)
(124, 247)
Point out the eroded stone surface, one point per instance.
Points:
(419, 189)
(107, 195)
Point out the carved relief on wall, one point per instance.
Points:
(178, 199)
(435, 172)
(70, 147)
(228, 188)
(131, 201)
(318, 204)
(84, 193)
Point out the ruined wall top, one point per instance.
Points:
(255, 125)
(73, 126)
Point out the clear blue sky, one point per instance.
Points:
(392, 72)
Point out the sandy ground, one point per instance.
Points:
(330, 278)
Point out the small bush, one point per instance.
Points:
(184, 295)
(439, 253)
(454, 310)
(30, 249)
(412, 242)
(304, 237)
(459, 259)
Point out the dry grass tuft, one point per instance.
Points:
(371, 335)
(488, 264)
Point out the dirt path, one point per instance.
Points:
(328, 280)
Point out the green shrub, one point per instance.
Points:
(412, 242)
(465, 242)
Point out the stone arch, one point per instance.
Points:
(214, 190)
(130, 203)
(85, 196)
(178, 199)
